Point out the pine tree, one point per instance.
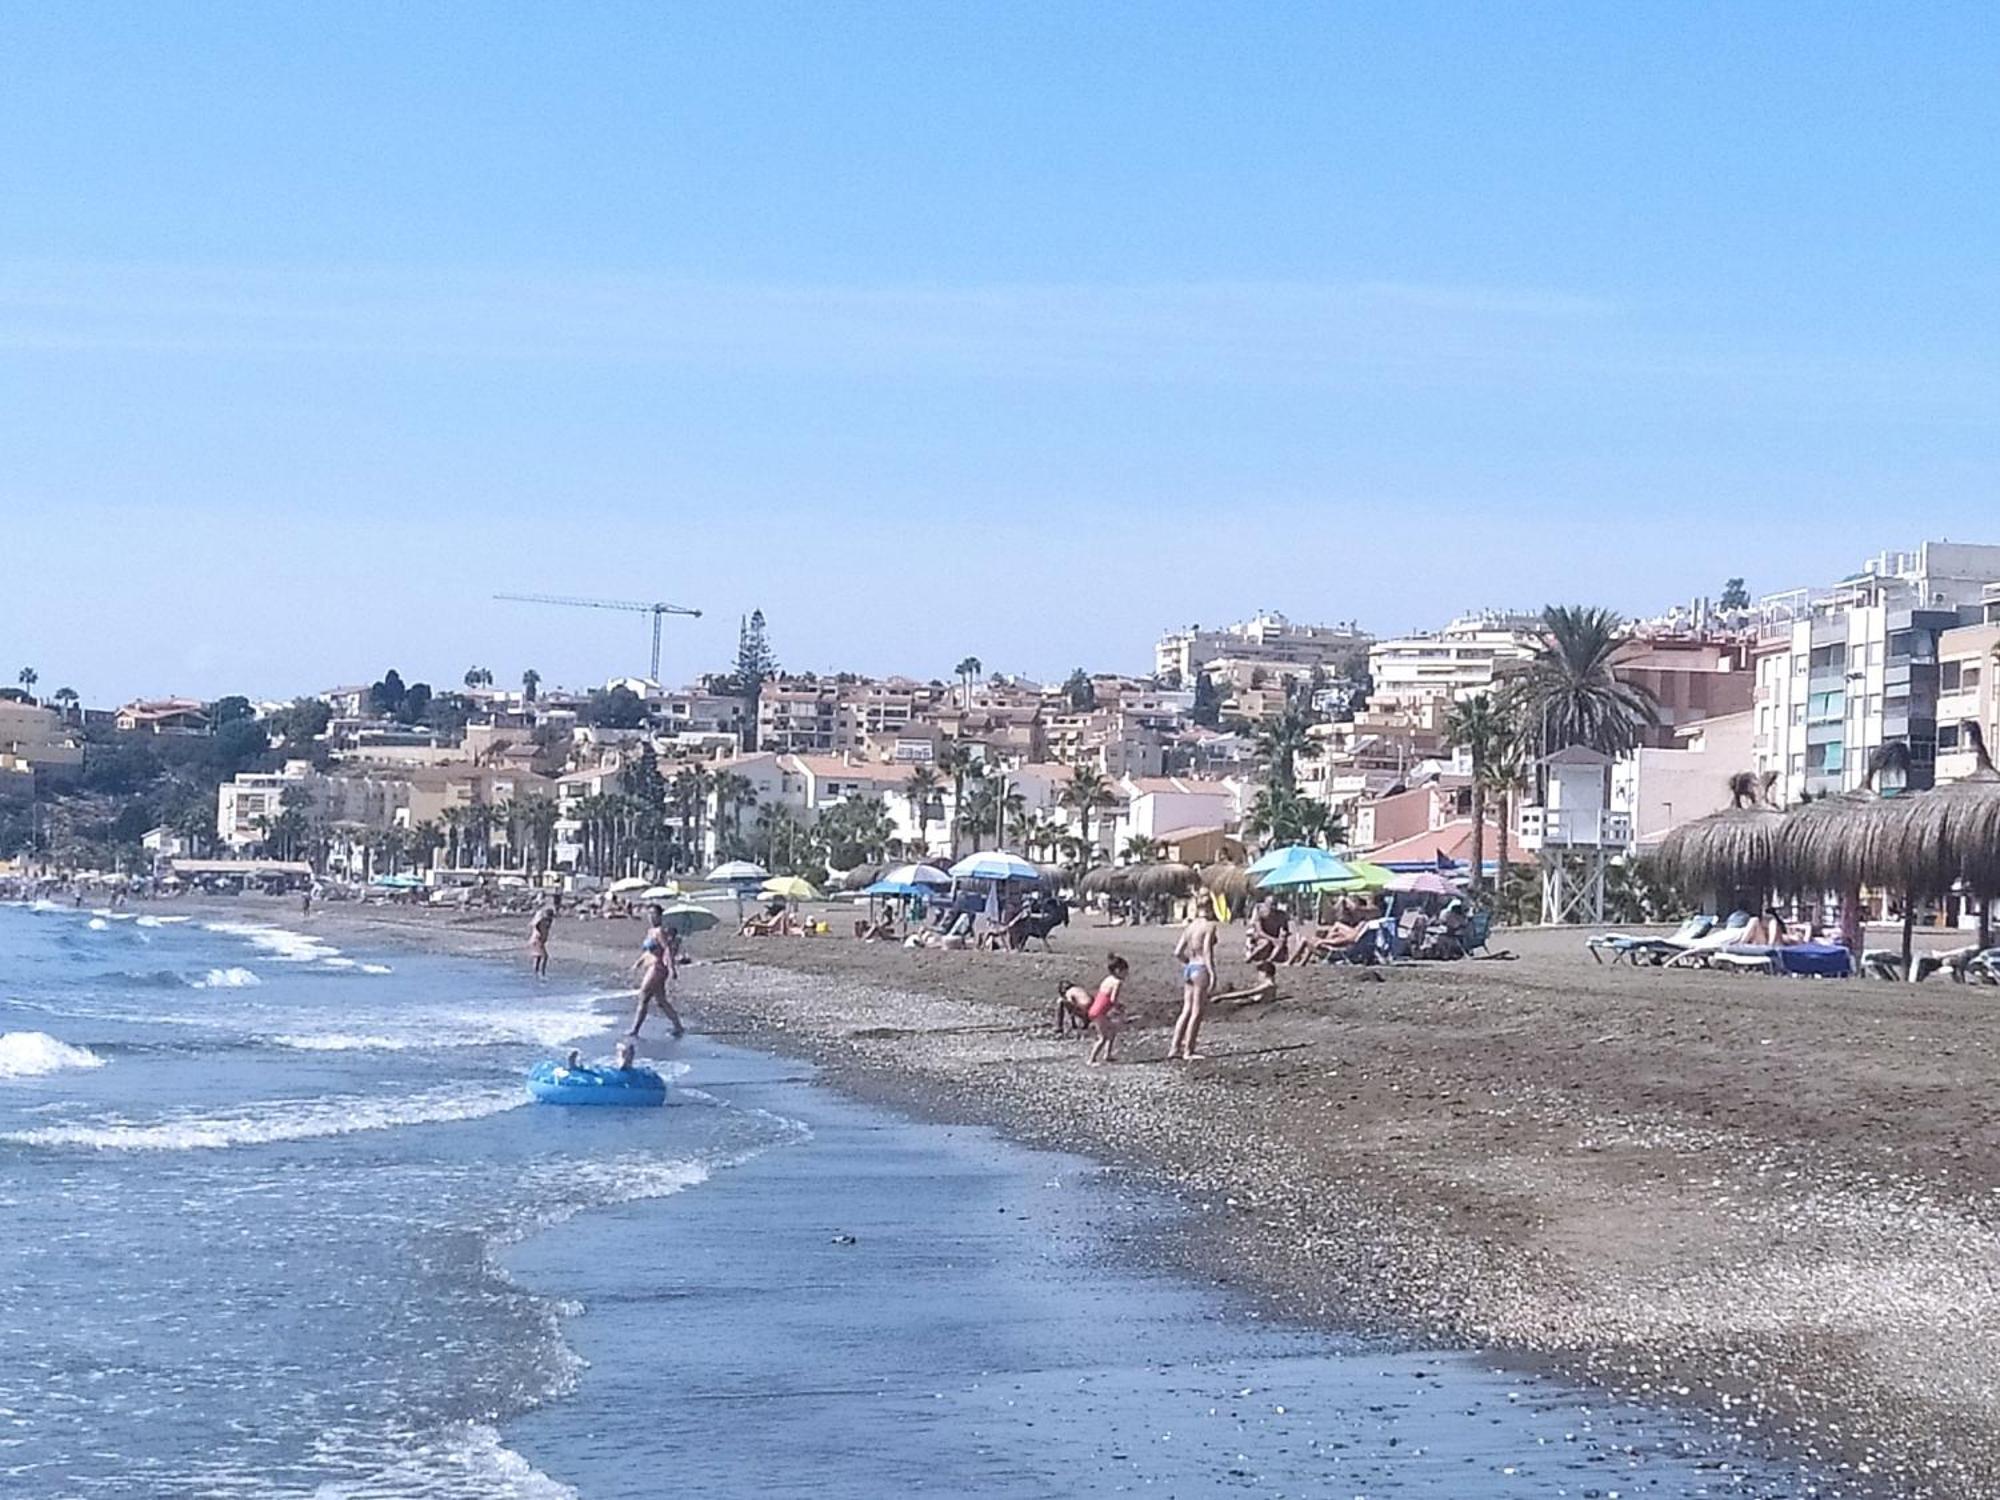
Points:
(755, 666)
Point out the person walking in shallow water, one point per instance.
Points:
(1196, 952)
(538, 939)
(655, 967)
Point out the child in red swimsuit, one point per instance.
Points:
(1099, 1011)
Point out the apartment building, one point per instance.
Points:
(1661, 787)
(36, 744)
(1692, 677)
(1470, 655)
(1857, 667)
(1269, 639)
(1968, 664)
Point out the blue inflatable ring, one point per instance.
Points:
(558, 1083)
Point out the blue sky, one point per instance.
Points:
(1015, 330)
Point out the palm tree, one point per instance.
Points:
(29, 677)
(1141, 850)
(1507, 769)
(535, 817)
(478, 677)
(956, 761)
(66, 700)
(968, 669)
(1571, 694)
(424, 841)
(1273, 815)
(921, 788)
(530, 681)
(1477, 725)
(1083, 794)
(1318, 824)
(454, 834)
(1279, 743)
(733, 793)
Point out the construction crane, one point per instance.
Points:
(628, 606)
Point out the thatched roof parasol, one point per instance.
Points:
(1731, 851)
(1105, 880)
(1924, 843)
(1164, 879)
(1832, 844)
(861, 877)
(1232, 882)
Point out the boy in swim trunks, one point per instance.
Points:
(1196, 952)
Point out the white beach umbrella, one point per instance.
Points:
(739, 871)
(659, 892)
(629, 883)
(915, 875)
(994, 864)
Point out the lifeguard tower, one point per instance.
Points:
(1575, 833)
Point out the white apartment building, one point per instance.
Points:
(1468, 656)
(1857, 667)
(1659, 789)
(1269, 638)
(1968, 693)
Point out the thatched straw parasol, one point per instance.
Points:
(861, 877)
(1166, 879)
(1733, 852)
(1925, 843)
(1105, 880)
(1231, 882)
(1830, 844)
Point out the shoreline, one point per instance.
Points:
(1700, 1258)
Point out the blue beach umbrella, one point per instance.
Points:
(1303, 866)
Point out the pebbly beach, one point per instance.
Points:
(1768, 1203)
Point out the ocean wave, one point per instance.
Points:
(234, 978)
(376, 969)
(280, 942)
(100, 924)
(455, 1028)
(35, 1054)
(465, 1461)
(149, 920)
(279, 1120)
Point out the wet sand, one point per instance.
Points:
(1769, 1199)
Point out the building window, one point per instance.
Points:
(1950, 676)
(1947, 737)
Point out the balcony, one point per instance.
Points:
(1583, 828)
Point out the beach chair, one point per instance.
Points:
(1882, 963)
(1697, 954)
(1631, 947)
(1984, 968)
(1477, 932)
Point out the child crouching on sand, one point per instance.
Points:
(1099, 1011)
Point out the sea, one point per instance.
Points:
(280, 1220)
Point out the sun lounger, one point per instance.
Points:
(1696, 954)
(1631, 947)
(1984, 968)
(1811, 960)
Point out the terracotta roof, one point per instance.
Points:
(1453, 841)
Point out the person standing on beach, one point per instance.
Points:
(655, 968)
(538, 939)
(1196, 952)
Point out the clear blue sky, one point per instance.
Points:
(1017, 330)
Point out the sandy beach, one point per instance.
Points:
(1770, 1200)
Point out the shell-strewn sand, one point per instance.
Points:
(1771, 1198)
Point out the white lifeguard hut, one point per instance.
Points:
(1575, 833)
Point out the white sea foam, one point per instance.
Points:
(227, 979)
(376, 969)
(34, 1054)
(280, 942)
(279, 1120)
(543, 1026)
(99, 924)
(149, 920)
(466, 1461)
